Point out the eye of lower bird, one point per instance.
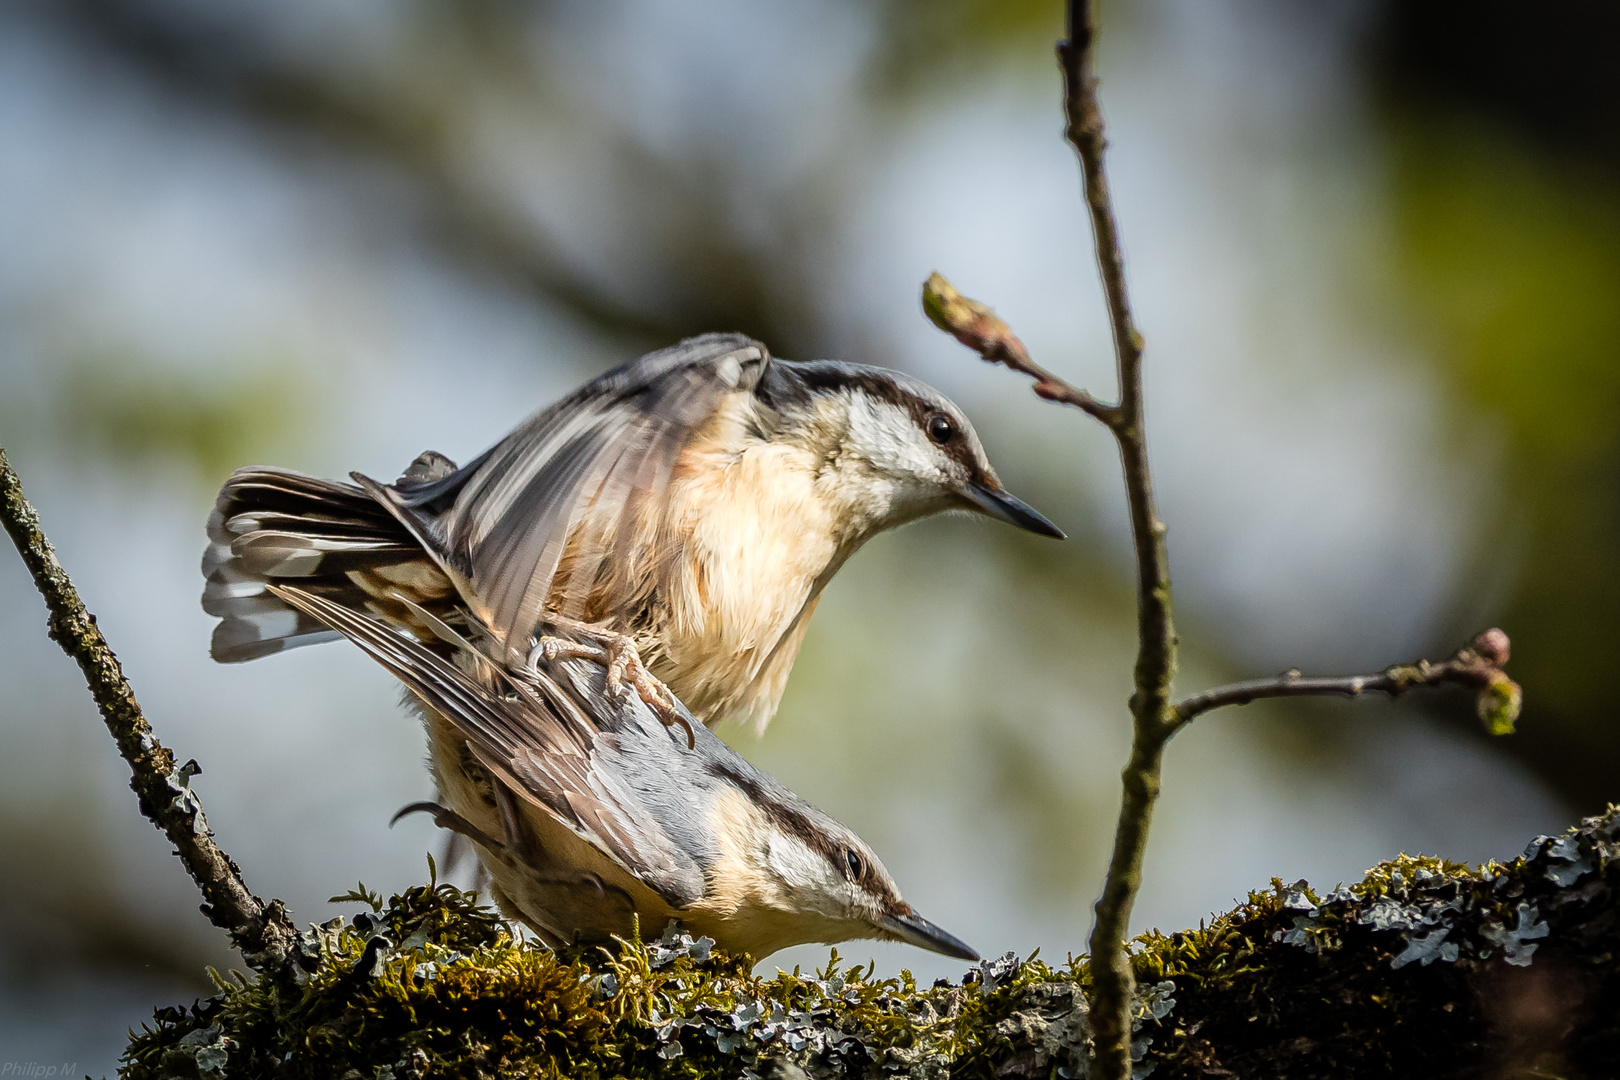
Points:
(940, 428)
(852, 860)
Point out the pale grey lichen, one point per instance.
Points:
(676, 943)
(1425, 948)
(202, 1053)
(1517, 942)
(1567, 861)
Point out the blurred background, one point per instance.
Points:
(1374, 246)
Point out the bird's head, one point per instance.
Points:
(897, 449)
(853, 889)
(808, 877)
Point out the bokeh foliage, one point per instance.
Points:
(1502, 207)
(1505, 196)
(143, 416)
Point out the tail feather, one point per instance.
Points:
(262, 489)
(309, 524)
(301, 554)
(228, 588)
(273, 524)
(237, 640)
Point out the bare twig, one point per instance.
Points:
(978, 327)
(1477, 666)
(1153, 719)
(263, 932)
(986, 333)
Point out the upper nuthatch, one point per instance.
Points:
(686, 509)
(593, 818)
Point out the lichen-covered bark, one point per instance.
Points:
(1425, 968)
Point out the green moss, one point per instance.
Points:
(1380, 978)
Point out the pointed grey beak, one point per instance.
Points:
(915, 930)
(1002, 506)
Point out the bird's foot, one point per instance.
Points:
(617, 653)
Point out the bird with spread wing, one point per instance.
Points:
(678, 517)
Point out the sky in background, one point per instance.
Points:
(200, 269)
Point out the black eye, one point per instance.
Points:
(940, 428)
(853, 861)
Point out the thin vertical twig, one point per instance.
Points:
(1151, 711)
(263, 932)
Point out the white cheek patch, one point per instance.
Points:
(885, 436)
(809, 881)
(795, 865)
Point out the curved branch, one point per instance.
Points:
(1477, 666)
(263, 932)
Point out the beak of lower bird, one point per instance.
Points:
(999, 504)
(913, 929)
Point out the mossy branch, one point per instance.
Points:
(1425, 968)
(262, 931)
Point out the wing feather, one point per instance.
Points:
(606, 451)
(540, 742)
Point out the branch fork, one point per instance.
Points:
(1477, 666)
(986, 333)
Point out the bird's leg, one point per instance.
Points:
(530, 856)
(617, 653)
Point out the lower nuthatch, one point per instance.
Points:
(684, 511)
(593, 817)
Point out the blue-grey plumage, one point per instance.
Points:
(592, 815)
(695, 501)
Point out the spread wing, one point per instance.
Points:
(499, 525)
(539, 740)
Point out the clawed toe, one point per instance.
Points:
(448, 819)
(617, 654)
(668, 711)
